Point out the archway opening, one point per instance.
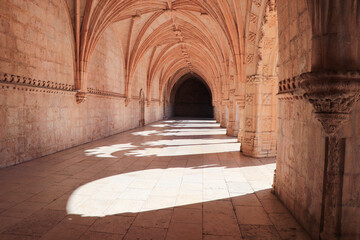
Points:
(192, 98)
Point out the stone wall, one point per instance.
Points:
(300, 162)
(294, 38)
(106, 65)
(301, 140)
(38, 111)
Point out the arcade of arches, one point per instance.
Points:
(282, 77)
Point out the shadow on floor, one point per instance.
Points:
(143, 184)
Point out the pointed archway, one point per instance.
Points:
(191, 97)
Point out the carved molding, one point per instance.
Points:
(289, 85)
(105, 93)
(32, 82)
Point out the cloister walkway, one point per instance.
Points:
(174, 179)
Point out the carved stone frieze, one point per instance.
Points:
(289, 85)
(105, 93)
(31, 82)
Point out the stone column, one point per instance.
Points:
(217, 112)
(223, 118)
(232, 125)
(259, 135)
(240, 105)
(333, 95)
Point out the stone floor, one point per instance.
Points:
(175, 179)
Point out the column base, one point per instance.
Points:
(259, 145)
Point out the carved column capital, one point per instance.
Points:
(80, 97)
(333, 94)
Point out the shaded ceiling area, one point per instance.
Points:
(193, 99)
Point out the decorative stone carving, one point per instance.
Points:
(257, 79)
(250, 58)
(249, 98)
(30, 82)
(105, 93)
(240, 100)
(80, 97)
(289, 85)
(253, 18)
(333, 95)
(248, 123)
(252, 37)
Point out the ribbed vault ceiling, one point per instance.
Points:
(204, 37)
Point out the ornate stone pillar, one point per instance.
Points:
(259, 135)
(333, 95)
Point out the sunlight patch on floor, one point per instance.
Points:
(183, 142)
(107, 151)
(185, 150)
(156, 189)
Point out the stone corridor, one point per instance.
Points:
(174, 179)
